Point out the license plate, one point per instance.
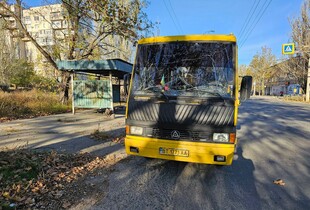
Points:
(173, 152)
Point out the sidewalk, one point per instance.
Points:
(282, 99)
(64, 132)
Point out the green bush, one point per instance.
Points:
(44, 84)
(22, 73)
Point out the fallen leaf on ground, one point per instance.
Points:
(279, 182)
(50, 178)
(6, 195)
(66, 204)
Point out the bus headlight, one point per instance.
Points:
(135, 130)
(220, 137)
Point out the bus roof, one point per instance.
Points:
(202, 37)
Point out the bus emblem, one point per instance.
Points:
(175, 134)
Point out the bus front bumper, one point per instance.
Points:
(196, 152)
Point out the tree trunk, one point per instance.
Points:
(263, 88)
(64, 87)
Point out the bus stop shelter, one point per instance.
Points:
(96, 84)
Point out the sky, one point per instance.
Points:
(229, 16)
(255, 23)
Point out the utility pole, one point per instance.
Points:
(308, 82)
(308, 75)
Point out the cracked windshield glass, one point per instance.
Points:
(185, 69)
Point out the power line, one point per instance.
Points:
(249, 20)
(247, 32)
(246, 19)
(172, 17)
(264, 10)
(176, 18)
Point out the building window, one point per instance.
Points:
(36, 18)
(48, 32)
(49, 41)
(55, 15)
(39, 40)
(56, 24)
(27, 20)
(64, 23)
(28, 26)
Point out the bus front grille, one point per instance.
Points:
(170, 134)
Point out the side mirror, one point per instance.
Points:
(126, 83)
(246, 88)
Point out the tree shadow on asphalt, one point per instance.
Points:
(163, 184)
(275, 136)
(82, 144)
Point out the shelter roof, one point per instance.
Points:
(117, 67)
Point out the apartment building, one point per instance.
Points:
(48, 25)
(288, 77)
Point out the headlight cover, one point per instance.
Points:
(220, 137)
(135, 130)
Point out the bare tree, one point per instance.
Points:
(294, 69)
(301, 30)
(301, 36)
(245, 70)
(260, 66)
(90, 23)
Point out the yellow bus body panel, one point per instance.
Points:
(199, 152)
(163, 39)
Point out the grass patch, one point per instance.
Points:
(25, 104)
(22, 168)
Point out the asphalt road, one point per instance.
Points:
(274, 143)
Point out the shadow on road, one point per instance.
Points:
(275, 136)
(162, 184)
(84, 144)
(65, 133)
(270, 136)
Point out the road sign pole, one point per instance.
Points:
(308, 82)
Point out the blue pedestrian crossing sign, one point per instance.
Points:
(288, 49)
